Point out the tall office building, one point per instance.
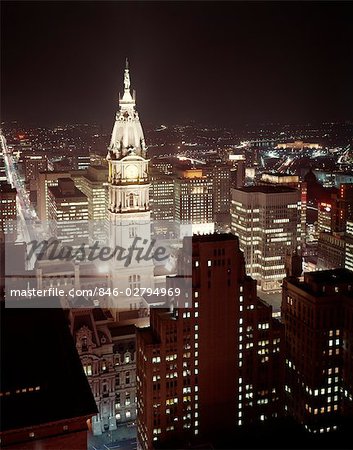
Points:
(293, 182)
(45, 180)
(342, 207)
(267, 221)
(324, 217)
(129, 215)
(68, 213)
(317, 312)
(162, 203)
(331, 251)
(220, 176)
(8, 211)
(193, 203)
(348, 253)
(214, 365)
(93, 183)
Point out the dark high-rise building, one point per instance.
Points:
(214, 365)
(318, 318)
(46, 401)
(331, 251)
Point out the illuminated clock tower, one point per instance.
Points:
(128, 202)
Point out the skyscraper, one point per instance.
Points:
(214, 365)
(94, 185)
(68, 212)
(267, 221)
(162, 201)
(193, 203)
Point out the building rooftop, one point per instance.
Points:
(214, 237)
(267, 189)
(42, 379)
(329, 277)
(325, 283)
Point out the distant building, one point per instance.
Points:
(324, 217)
(162, 193)
(348, 258)
(45, 180)
(317, 312)
(216, 364)
(221, 180)
(342, 207)
(8, 211)
(331, 251)
(293, 182)
(82, 161)
(68, 212)
(94, 184)
(267, 221)
(298, 145)
(33, 164)
(46, 401)
(193, 203)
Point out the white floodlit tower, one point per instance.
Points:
(129, 214)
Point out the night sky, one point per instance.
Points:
(217, 63)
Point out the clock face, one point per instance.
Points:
(131, 171)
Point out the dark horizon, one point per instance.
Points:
(229, 63)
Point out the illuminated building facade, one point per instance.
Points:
(193, 203)
(342, 207)
(267, 221)
(162, 203)
(68, 212)
(33, 164)
(8, 210)
(216, 364)
(317, 314)
(94, 185)
(44, 181)
(220, 174)
(324, 217)
(107, 353)
(293, 182)
(129, 214)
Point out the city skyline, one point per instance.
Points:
(226, 63)
(202, 274)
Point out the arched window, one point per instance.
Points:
(131, 200)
